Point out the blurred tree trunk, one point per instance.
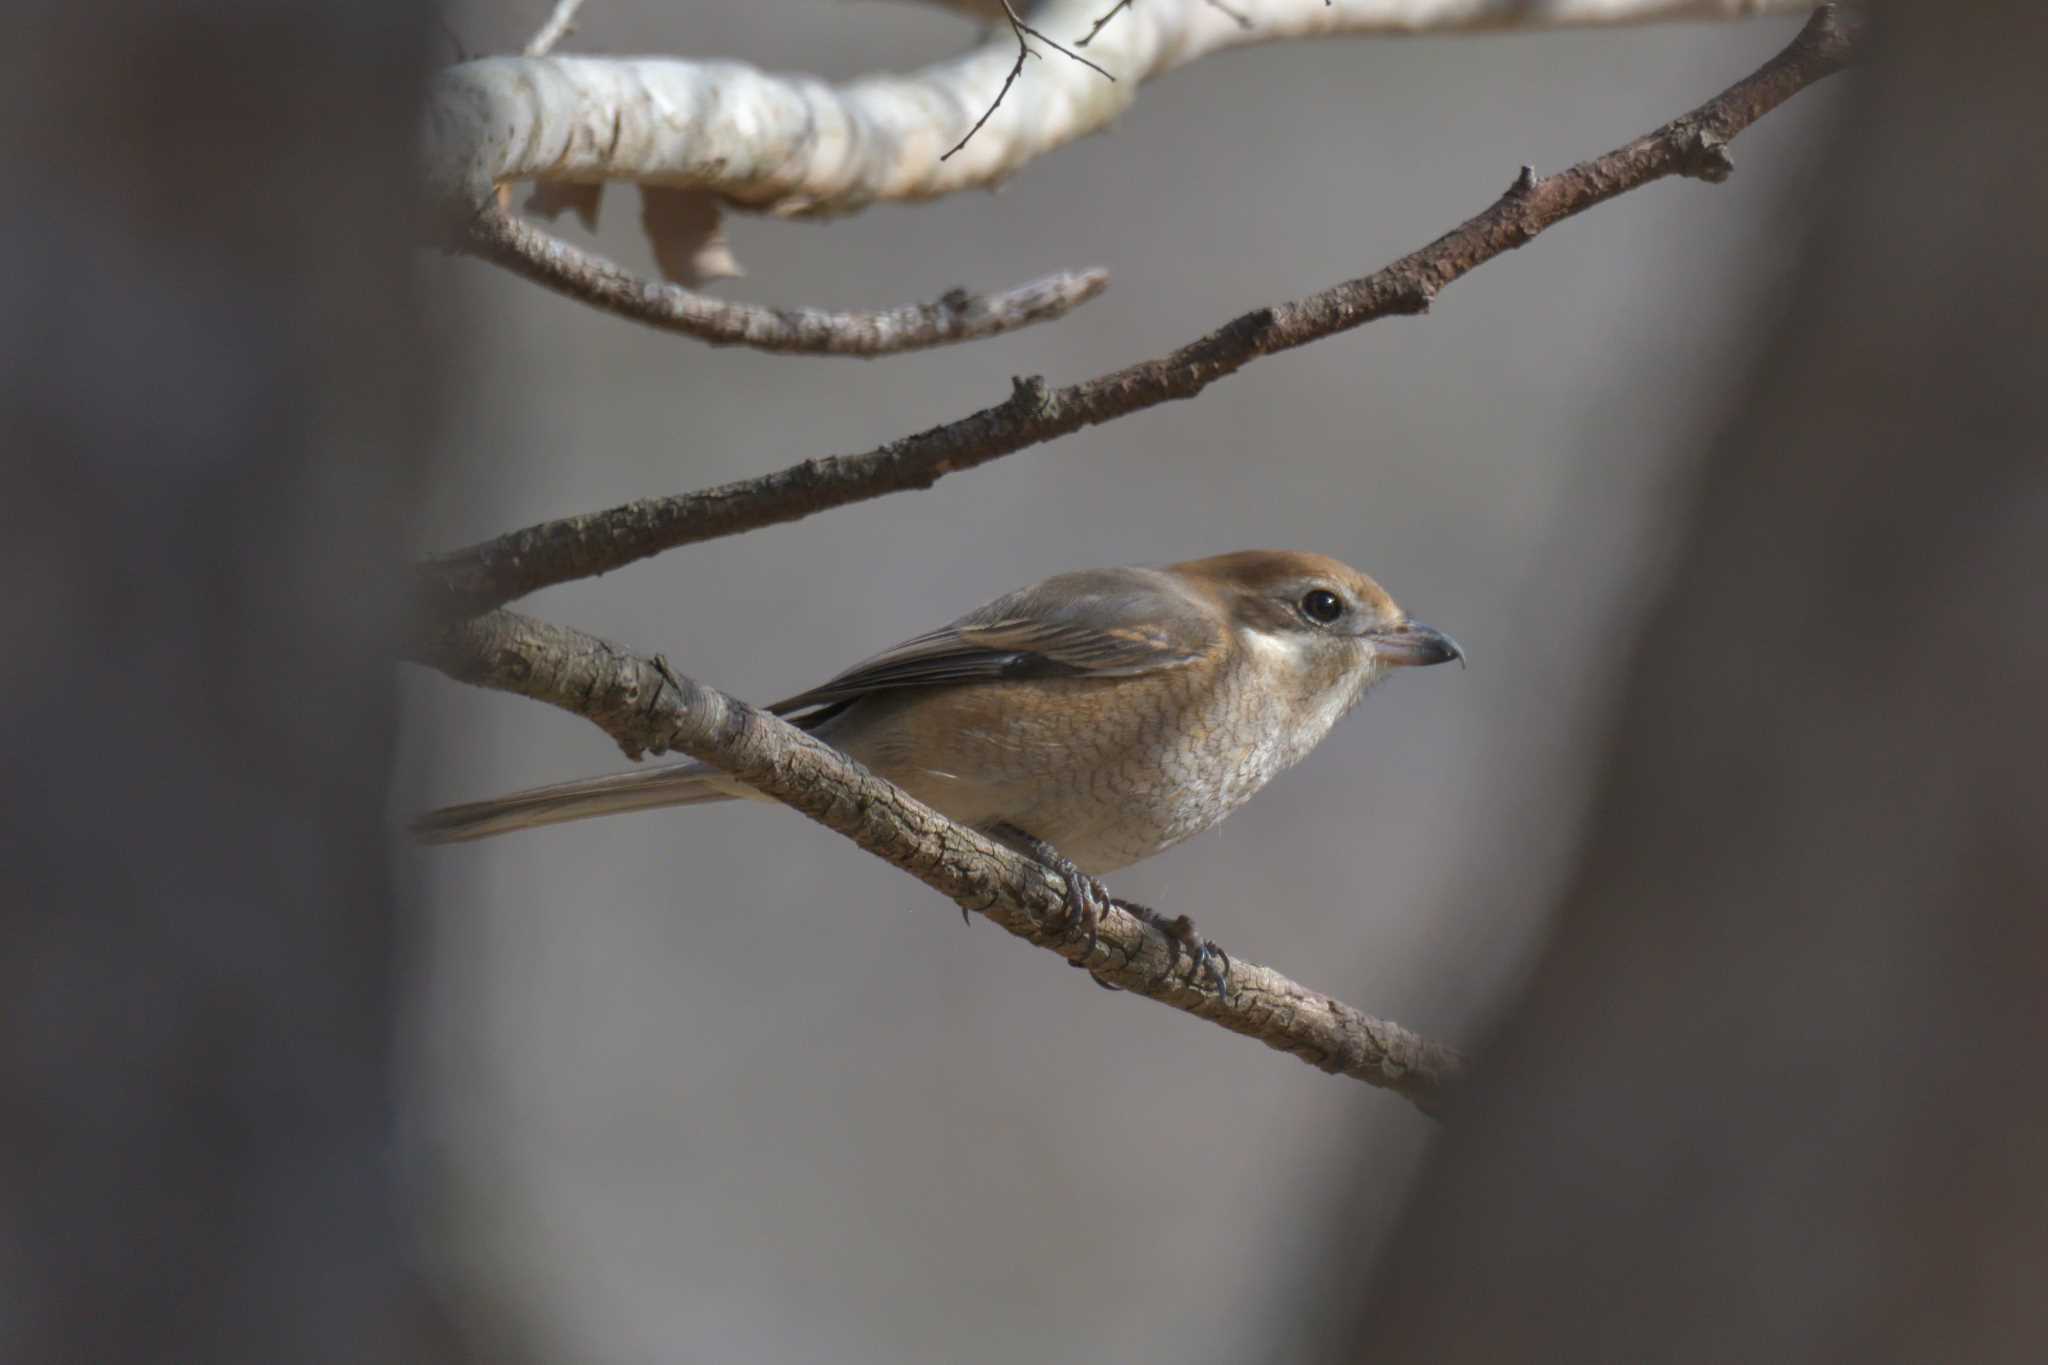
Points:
(1776, 1090)
(214, 398)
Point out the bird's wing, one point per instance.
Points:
(1100, 623)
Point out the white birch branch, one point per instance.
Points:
(795, 144)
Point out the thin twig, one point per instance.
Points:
(1018, 29)
(1112, 12)
(649, 708)
(561, 23)
(546, 259)
(1016, 70)
(501, 570)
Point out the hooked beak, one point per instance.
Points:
(1414, 645)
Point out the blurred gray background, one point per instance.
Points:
(714, 1085)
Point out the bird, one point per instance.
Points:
(1089, 721)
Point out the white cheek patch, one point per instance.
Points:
(1277, 648)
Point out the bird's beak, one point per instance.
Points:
(1414, 645)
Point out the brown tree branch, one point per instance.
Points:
(649, 708)
(1102, 22)
(490, 574)
(505, 239)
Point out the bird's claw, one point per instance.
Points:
(1106, 985)
(1087, 898)
(1203, 956)
(967, 916)
(1217, 963)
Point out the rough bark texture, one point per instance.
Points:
(648, 707)
(213, 404)
(955, 316)
(498, 571)
(1775, 1092)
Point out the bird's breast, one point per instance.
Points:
(1108, 770)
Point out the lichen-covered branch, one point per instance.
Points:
(955, 316)
(510, 566)
(649, 708)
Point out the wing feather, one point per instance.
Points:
(1100, 623)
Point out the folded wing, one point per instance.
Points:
(1101, 623)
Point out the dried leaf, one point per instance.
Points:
(687, 231)
(551, 197)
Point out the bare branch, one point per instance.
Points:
(540, 256)
(1019, 29)
(1101, 21)
(648, 708)
(798, 145)
(1016, 69)
(561, 23)
(498, 571)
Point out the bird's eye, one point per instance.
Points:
(1322, 606)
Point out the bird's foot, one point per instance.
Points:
(1203, 956)
(967, 912)
(1087, 897)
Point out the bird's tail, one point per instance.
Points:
(678, 784)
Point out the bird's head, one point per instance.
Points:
(1321, 628)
